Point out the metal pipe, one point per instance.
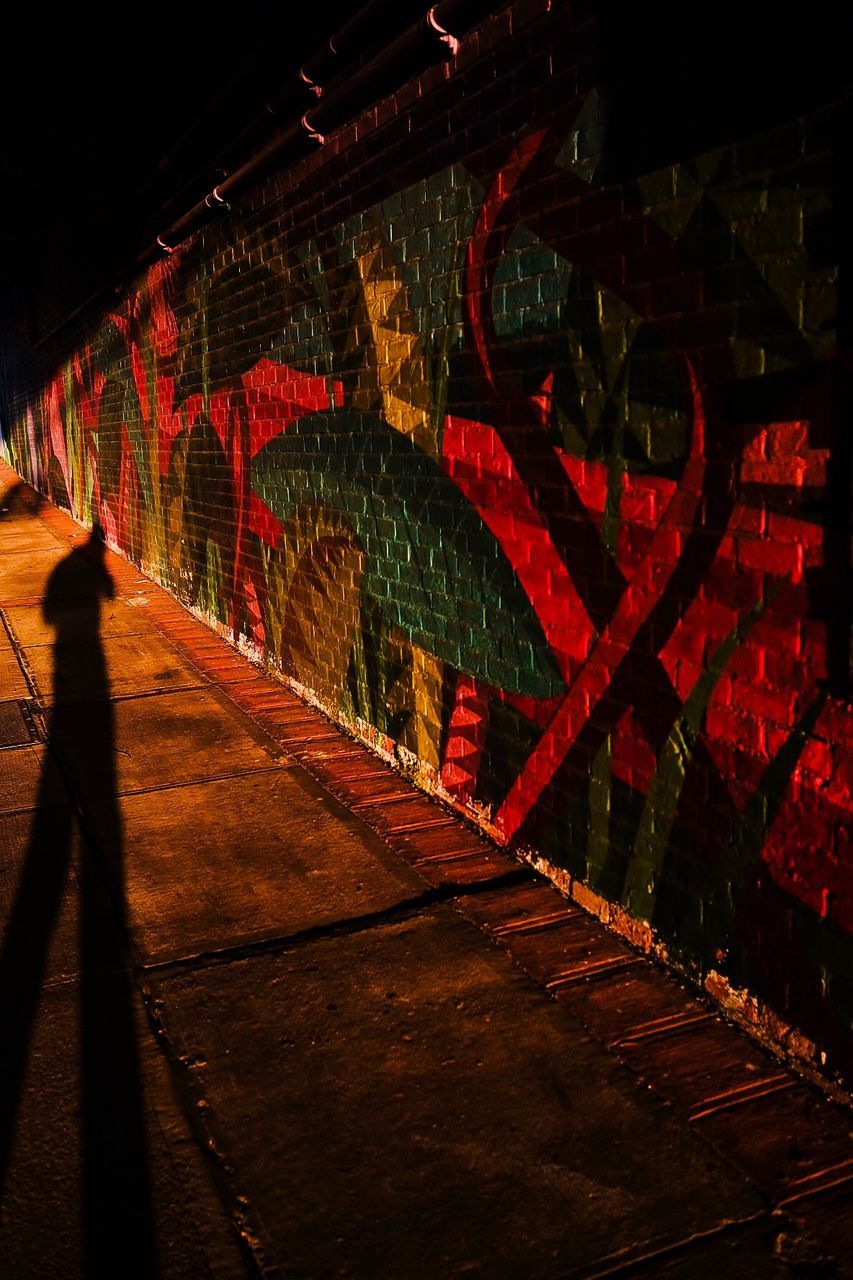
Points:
(334, 61)
(357, 37)
(431, 39)
(424, 43)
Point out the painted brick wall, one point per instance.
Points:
(519, 453)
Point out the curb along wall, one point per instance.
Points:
(509, 432)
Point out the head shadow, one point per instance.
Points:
(20, 499)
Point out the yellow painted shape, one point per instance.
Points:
(419, 692)
(402, 371)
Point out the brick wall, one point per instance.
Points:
(510, 434)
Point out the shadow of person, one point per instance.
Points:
(20, 500)
(117, 1218)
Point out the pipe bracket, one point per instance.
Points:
(312, 132)
(443, 34)
(316, 89)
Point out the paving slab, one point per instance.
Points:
(24, 574)
(29, 776)
(40, 885)
(406, 1103)
(262, 855)
(117, 618)
(766, 1249)
(13, 682)
(168, 739)
(23, 533)
(42, 1226)
(381, 1091)
(134, 664)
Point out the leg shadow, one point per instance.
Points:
(118, 1222)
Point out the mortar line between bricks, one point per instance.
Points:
(761, 1089)
(627, 1260)
(809, 1192)
(814, 1178)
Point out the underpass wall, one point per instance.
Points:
(509, 428)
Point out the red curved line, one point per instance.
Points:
(476, 284)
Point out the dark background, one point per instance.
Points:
(110, 115)
(116, 119)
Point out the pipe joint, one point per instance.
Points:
(443, 34)
(316, 89)
(312, 132)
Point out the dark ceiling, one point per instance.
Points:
(113, 122)
(116, 120)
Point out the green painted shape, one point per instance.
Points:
(760, 813)
(531, 285)
(429, 558)
(598, 845)
(653, 835)
(708, 932)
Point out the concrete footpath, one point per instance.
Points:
(267, 1011)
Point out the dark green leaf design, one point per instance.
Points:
(456, 595)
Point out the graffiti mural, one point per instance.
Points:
(521, 474)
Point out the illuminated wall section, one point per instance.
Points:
(525, 475)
